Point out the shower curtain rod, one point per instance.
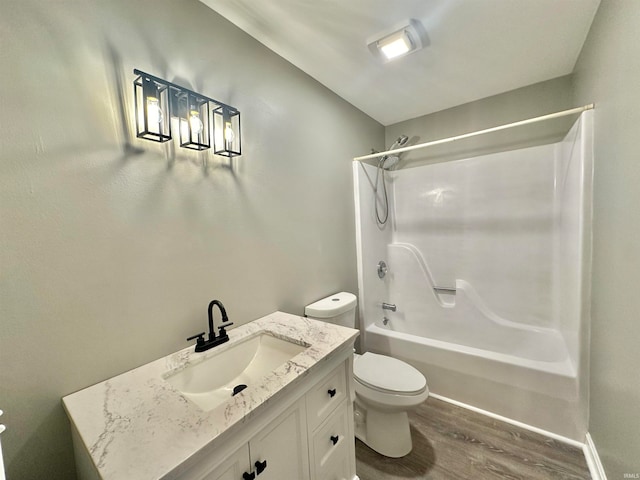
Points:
(479, 132)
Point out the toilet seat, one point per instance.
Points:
(388, 375)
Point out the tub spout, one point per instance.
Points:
(389, 306)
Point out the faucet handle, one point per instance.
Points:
(221, 328)
(199, 336)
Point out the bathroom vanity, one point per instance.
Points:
(275, 402)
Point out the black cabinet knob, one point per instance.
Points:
(248, 476)
(260, 466)
(332, 392)
(334, 439)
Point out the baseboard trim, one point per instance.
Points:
(593, 460)
(531, 428)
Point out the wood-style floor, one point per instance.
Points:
(450, 442)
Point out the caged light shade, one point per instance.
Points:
(152, 109)
(194, 121)
(226, 125)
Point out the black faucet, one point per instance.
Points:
(222, 337)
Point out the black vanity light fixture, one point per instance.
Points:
(198, 117)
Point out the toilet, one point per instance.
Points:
(386, 388)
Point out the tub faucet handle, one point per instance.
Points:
(382, 269)
(389, 306)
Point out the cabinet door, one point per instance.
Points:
(233, 467)
(283, 445)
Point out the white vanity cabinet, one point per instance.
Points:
(233, 468)
(311, 440)
(279, 451)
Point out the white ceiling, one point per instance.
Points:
(478, 48)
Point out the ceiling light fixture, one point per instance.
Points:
(395, 45)
(408, 38)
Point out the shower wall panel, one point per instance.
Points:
(489, 221)
(572, 255)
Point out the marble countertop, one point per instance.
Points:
(135, 425)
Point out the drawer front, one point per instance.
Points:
(324, 398)
(331, 443)
(338, 469)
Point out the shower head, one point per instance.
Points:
(400, 142)
(387, 162)
(390, 161)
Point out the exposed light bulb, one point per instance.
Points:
(154, 112)
(229, 134)
(195, 122)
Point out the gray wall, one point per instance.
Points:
(608, 73)
(530, 101)
(110, 246)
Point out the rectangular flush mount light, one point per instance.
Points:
(400, 42)
(395, 45)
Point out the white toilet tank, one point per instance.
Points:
(339, 308)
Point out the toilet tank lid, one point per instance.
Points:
(332, 306)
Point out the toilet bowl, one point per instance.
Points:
(386, 388)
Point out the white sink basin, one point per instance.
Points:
(211, 382)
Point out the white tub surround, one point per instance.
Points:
(136, 425)
(488, 268)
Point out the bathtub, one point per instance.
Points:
(542, 393)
